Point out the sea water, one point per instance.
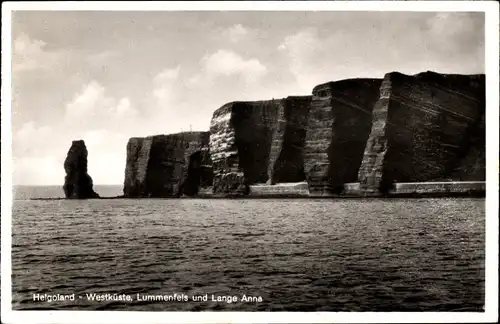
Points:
(247, 255)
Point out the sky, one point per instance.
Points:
(107, 76)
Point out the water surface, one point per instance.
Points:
(297, 255)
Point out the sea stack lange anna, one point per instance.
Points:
(77, 183)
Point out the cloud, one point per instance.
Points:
(29, 130)
(38, 170)
(237, 33)
(233, 34)
(184, 99)
(176, 102)
(101, 58)
(30, 139)
(107, 155)
(164, 83)
(30, 54)
(447, 23)
(168, 74)
(456, 33)
(42, 160)
(443, 42)
(227, 63)
(303, 50)
(93, 108)
(106, 158)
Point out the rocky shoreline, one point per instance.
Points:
(397, 136)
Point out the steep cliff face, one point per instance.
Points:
(197, 167)
(78, 183)
(167, 165)
(135, 170)
(472, 166)
(258, 142)
(425, 127)
(339, 125)
(287, 149)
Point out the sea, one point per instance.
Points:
(335, 255)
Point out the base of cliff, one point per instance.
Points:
(445, 189)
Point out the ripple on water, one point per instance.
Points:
(317, 255)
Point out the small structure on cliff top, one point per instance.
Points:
(78, 183)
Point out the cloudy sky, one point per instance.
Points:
(106, 76)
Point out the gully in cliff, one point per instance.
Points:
(77, 183)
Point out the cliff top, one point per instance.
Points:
(180, 139)
(184, 135)
(230, 105)
(469, 83)
(427, 76)
(344, 83)
(431, 76)
(434, 74)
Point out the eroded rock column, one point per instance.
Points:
(78, 183)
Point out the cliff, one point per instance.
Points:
(78, 183)
(167, 165)
(351, 137)
(472, 165)
(339, 125)
(426, 127)
(258, 142)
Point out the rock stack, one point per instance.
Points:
(78, 183)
